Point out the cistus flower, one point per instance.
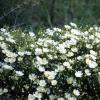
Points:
(7, 67)
(93, 64)
(70, 80)
(19, 73)
(54, 82)
(73, 24)
(88, 61)
(87, 72)
(92, 52)
(78, 74)
(37, 95)
(50, 74)
(31, 97)
(61, 98)
(49, 32)
(42, 83)
(76, 92)
(5, 90)
(97, 35)
(32, 34)
(1, 38)
(41, 69)
(32, 77)
(38, 51)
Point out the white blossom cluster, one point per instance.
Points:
(55, 64)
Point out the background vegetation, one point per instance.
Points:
(47, 13)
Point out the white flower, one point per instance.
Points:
(21, 53)
(41, 89)
(73, 24)
(76, 92)
(19, 73)
(52, 97)
(3, 46)
(89, 46)
(9, 53)
(93, 57)
(1, 38)
(32, 77)
(60, 68)
(61, 98)
(32, 34)
(67, 95)
(70, 54)
(12, 87)
(38, 51)
(31, 97)
(23, 34)
(20, 58)
(41, 61)
(7, 67)
(26, 87)
(67, 26)
(57, 29)
(3, 30)
(10, 60)
(72, 41)
(61, 48)
(41, 69)
(93, 52)
(50, 56)
(37, 95)
(38, 59)
(76, 32)
(49, 32)
(79, 57)
(97, 35)
(88, 61)
(74, 49)
(91, 37)
(32, 46)
(97, 41)
(50, 74)
(5, 90)
(42, 83)
(78, 74)
(1, 91)
(10, 40)
(7, 34)
(87, 72)
(70, 80)
(45, 50)
(93, 64)
(86, 33)
(27, 53)
(67, 64)
(53, 82)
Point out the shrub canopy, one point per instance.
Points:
(54, 64)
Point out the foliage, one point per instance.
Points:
(40, 13)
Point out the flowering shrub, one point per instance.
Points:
(55, 64)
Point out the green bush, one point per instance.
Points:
(54, 64)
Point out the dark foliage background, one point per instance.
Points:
(48, 13)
